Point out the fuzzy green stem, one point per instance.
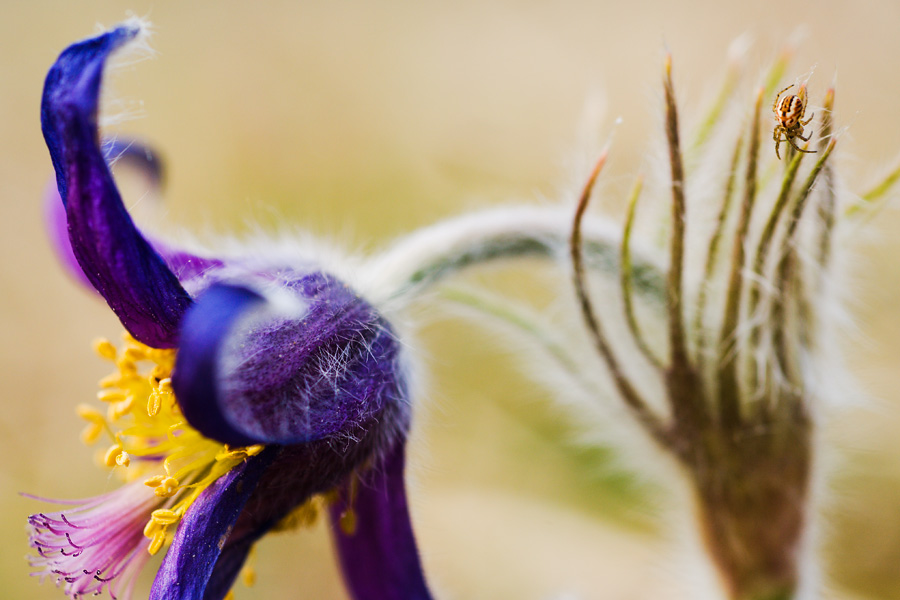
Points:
(788, 263)
(728, 390)
(679, 360)
(418, 262)
(626, 278)
(712, 253)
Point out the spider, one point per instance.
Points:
(789, 119)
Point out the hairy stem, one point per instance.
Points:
(626, 278)
(712, 253)
(420, 261)
(728, 391)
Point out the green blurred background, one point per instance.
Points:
(362, 121)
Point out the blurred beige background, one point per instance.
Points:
(364, 122)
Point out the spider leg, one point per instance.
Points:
(798, 148)
(806, 122)
(805, 139)
(775, 104)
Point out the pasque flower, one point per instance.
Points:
(247, 392)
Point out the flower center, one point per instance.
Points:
(151, 440)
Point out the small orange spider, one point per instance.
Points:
(789, 119)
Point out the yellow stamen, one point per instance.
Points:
(112, 380)
(152, 437)
(117, 410)
(239, 453)
(91, 433)
(123, 460)
(154, 481)
(156, 543)
(105, 349)
(165, 516)
(135, 354)
(167, 488)
(111, 395)
(112, 455)
(153, 404)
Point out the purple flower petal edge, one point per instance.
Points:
(136, 282)
(204, 531)
(380, 560)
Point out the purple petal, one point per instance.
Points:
(248, 373)
(204, 531)
(120, 264)
(206, 326)
(228, 566)
(379, 559)
(184, 265)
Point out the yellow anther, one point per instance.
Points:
(165, 385)
(254, 450)
(111, 395)
(105, 349)
(165, 516)
(167, 487)
(151, 528)
(112, 455)
(123, 460)
(157, 542)
(127, 367)
(154, 402)
(133, 354)
(239, 453)
(90, 414)
(111, 380)
(118, 409)
(154, 481)
(91, 434)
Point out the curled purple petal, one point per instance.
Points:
(205, 530)
(206, 326)
(185, 265)
(114, 256)
(248, 372)
(379, 557)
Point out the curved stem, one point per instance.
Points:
(727, 376)
(625, 279)
(426, 258)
